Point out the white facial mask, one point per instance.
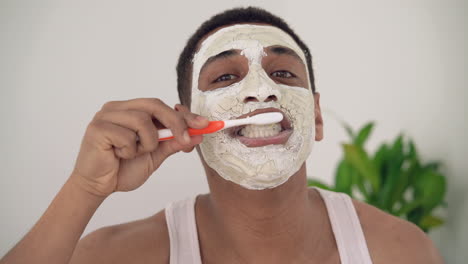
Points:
(263, 167)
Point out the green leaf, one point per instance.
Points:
(349, 130)
(408, 207)
(363, 134)
(380, 161)
(359, 160)
(430, 221)
(394, 182)
(358, 181)
(415, 216)
(403, 183)
(431, 188)
(393, 179)
(392, 190)
(396, 152)
(414, 171)
(412, 153)
(343, 178)
(380, 156)
(317, 183)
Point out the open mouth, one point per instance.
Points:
(262, 135)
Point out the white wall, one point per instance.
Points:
(401, 63)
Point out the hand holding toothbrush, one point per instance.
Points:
(120, 149)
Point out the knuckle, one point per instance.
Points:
(126, 153)
(94, 131)
(99, 114)
(182, 108)
(109, 105)
(94, 127)
(190, 116)
(157, 101)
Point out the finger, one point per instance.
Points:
(192, 120)
(139, 122)
(167, 148)
(108, 135)
(159, 110)
(188, 150)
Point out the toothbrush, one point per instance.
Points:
(215, 126)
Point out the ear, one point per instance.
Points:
(318, 118)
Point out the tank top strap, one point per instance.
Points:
(346, 227)
(183, 236)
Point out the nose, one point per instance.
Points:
(259, 87)
(255, 99)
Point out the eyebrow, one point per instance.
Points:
(222, 55)
(280, 50)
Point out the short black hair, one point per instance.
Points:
(230, 17)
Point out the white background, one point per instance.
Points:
(400, 63)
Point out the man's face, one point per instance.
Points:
(244, 70)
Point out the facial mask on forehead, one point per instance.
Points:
(253, 167)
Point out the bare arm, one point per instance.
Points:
(54, 236)
(119, 151)
(141, 241)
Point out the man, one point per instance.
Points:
(240, 63)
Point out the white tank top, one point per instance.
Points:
(352, 246)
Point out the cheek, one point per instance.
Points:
(298, 105)
(219, 104)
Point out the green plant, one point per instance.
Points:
(392, 179)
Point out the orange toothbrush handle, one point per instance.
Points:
(212, 127)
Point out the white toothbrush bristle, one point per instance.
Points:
(267, 118)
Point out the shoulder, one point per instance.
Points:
(394, 240)
(142, 241)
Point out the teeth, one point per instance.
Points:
(255, 131)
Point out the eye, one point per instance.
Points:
(225, 77)
(282, 74)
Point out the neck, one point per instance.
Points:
(230, 199)
(254, 223)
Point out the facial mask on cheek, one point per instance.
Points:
(257, 167)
